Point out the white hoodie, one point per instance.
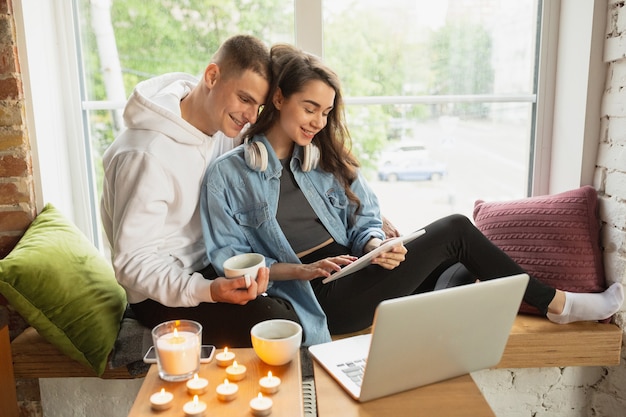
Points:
(150, 201)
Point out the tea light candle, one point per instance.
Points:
(225, 358)
(236, 372)
(226, 391)
(197, 386)
(179, 352)
(269, 384)
(194, 408)
(261, 406)
(161, 400)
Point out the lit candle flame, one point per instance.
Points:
(260, 395)
(226, 350)
(176, 339)
(235, 364)
(269, 374)
(195, 400)
(162, 391)
(225, 381)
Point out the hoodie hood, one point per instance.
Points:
(155, 105)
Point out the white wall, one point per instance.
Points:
(88, 397)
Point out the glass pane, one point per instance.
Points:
(443, 164)
(152, 38)
(468, 67)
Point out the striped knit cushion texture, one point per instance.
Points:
(555, 238)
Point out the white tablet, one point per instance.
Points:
(366, 259)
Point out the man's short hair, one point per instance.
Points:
(240, 53)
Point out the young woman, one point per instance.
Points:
(293, 192)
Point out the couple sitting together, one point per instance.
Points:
(182, 194)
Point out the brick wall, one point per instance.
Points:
(17, 199)
(17, 202)
(609, 396)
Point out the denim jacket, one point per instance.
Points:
(238, 210)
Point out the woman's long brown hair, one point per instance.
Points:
(292, 68)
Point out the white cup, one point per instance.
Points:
(276, 342)
(245, 265)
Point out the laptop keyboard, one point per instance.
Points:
(353, 370)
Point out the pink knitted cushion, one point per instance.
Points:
(555, 238)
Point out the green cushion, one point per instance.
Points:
(59, 282)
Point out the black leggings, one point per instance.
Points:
(350, 302)
(223, 324)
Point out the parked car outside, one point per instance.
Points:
(403, 151)
(412, 170)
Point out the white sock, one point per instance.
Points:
(590, 306)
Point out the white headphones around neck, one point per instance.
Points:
(256, 156)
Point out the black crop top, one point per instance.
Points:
(296, 217)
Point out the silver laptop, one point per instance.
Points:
(425, 338)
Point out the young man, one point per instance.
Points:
(177, 125)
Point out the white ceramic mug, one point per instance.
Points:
(276, 342)
(244, 265)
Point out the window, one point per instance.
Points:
(400, 85)
(455, 78)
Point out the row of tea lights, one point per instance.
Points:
(227, 391)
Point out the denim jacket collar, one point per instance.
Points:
(274, 167)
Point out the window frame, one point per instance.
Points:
(570, 78)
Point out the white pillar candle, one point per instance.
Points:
(161, 400)
(261, 406)
(197, 385)
(225, 358)
(226, 391)
(194, 408)
(179, 352)
(236, 372)
(269, 384)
